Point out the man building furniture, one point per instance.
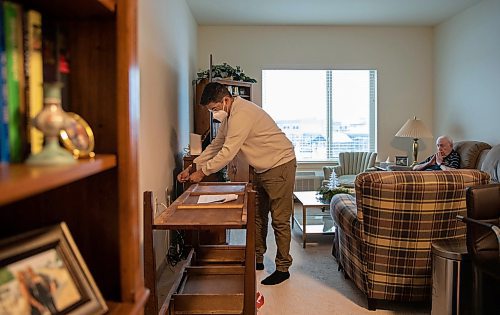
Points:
(383, 235)
(350, 165)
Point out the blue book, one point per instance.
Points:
(4, 111)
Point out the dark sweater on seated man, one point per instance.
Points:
(444, 159)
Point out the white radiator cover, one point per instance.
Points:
(308, 180)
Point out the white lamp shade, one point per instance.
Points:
(414, 128)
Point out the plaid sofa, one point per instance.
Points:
(384, 234)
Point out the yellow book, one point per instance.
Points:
(34, 75)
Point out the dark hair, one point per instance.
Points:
(213, 92)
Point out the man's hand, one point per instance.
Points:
(439, 158)
(196, 177)
(420, 167)
(184, 175)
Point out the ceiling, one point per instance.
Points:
(326, 12)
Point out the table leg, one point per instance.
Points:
(293, 213)
(304, 224)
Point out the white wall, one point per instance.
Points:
(467, 49)
(167, 61)
(403, 57)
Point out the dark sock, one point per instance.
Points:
(259, 266)
(276, 277)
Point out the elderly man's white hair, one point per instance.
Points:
(447, 138)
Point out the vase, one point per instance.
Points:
(51, 120)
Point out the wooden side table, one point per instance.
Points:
(310, 200)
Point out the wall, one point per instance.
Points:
(467, 49)
(167, 59)
(403, 57)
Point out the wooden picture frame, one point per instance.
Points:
(78, 137)
(402, 160)
(43, 271)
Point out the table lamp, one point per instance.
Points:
(414, 128)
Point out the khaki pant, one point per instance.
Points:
(275, 194)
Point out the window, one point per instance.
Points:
(323, 112)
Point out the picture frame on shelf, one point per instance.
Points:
(402, 160)
(77, 137)
(43, 271)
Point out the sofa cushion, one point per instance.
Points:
(491, 164)
(469, 152)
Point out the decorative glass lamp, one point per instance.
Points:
(414, 128)
(50, 121)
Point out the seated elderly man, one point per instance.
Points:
(444, 159)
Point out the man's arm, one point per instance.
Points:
(431, 160)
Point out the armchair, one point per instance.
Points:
(350, 165)
(483, 242)
(383, 235)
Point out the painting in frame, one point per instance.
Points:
(42, 272)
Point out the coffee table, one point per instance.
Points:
(314, 222)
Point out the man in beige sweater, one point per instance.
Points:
(248, 128)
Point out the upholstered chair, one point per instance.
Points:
(383, 235)
(350, 165)
(483, 242)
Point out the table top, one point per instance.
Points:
(310, 199)
(186, 213)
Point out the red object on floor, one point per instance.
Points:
(260, 300)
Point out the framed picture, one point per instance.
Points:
(78, 137)
(42, 272)
(402, 160)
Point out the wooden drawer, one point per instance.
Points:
(210, 290)
(219, 255)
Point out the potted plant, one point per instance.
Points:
(326, 192)
(225, 71)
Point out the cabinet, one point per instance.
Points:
(216, 279)
(238, 169)
(97, 198)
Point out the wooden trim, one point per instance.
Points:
(136, 308)
(110, 4)
(128, 106)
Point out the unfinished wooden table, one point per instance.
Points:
(217, 279)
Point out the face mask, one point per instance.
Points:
(219, 115)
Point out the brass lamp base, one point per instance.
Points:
(415, 152)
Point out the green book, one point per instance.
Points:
(14, 56)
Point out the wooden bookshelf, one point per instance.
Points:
(97, 198)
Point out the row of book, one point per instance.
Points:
(29, 55)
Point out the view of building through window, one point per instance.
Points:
(323, 112)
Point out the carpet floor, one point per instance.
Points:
(315, 287)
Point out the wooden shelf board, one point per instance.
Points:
(18, 181)
(72, 8)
